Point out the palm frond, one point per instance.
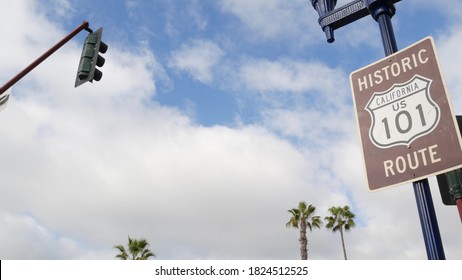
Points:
(137, 250)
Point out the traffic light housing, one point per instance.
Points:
(91, 58)
(450, 183)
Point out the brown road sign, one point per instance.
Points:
(406, 124)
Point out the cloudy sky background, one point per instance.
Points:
(213, 118)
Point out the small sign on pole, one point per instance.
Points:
(406, 123)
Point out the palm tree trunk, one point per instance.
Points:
(343, 244)
(303, 241)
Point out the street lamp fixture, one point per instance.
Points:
(323, 7)
(331, 18)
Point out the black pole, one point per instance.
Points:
(382, 11)
(388, 35)
(428, 220)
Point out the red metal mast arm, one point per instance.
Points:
(44, 56)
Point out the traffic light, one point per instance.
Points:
(91, 58)
(450, 183)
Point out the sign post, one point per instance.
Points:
(403, 126)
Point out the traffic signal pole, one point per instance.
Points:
(382, 11)
(20, 75)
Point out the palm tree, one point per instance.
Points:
(137, 250)
(341, 219)
(302, 218)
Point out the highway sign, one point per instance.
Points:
(406, 124)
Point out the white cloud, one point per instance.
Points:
(198, 58)
(288, 76)
(23, 237)
(452, 8)
(271, 19)
(26, 41)
(94, 164)
(449, 53)
(87, 161)
(195, 12)
(92, 178)
(56, 8)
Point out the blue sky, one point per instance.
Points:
(212, 119)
